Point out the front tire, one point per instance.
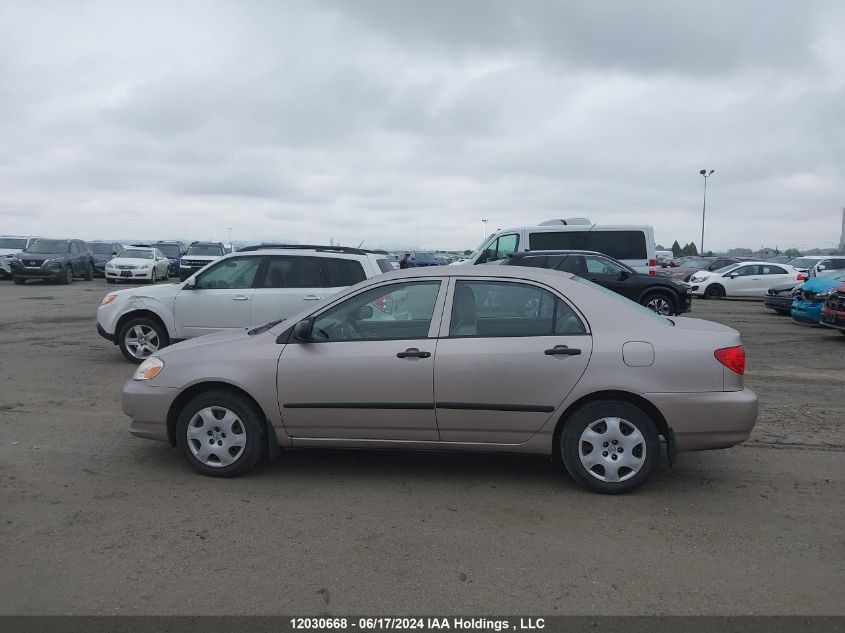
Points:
(19, 281)
(67, 279)
(110, 281)
(660, 302)
(89, 272)
(140, 338)
(716, 291)
(153, 276)
(610, 446)
(221, 434)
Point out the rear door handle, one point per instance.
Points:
(311, 298)
(413, 352)
(562, 350)
(240, 298)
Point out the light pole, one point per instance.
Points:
(483, 229)
(706, 175)
(229, 228)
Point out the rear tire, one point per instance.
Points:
(660, 302)
(68, 277)
(610, 446)
(218, 426)
(140, 338)
(716, 291)
(153, 276)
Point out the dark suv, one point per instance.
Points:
(54, 260)
(173, 250)
(658, 293)
(103, 252)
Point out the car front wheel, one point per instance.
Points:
(89, 272)
(67, 278)
(716, 291)
(141, 338)
(221, 434)
(609, 446)
(660, 302)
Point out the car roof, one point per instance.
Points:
(559, 252)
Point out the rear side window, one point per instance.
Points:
(618, 244)
(340, 272)
(292, 272)
(773, 270)
(384, 265)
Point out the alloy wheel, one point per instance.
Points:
(612, 449)
(659, 305)
(216, 436)
(142, 341)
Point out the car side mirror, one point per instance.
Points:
(821, 268)
(623, 275)
(191, 284)
(302, 330)
(731, 275)
(365, 313)
(485, 256)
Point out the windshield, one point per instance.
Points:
(101, 249)
(136, 253)
(213, 250)
(13, 242)
(48, 246)
(725, 269)
(803, 262)
(694, 263)
(171, 250)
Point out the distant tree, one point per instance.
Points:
(692, 249)
(676, 249)
(660, 247)
(709, 254)
(792, 252)
(467, 252)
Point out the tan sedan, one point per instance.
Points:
(455, 358)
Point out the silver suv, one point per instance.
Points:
(250, 287)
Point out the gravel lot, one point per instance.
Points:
(94, 521)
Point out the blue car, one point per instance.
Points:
(421, 259)
(807, 307)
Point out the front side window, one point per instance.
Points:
(292, 272)
(503, 308)
(230, 274)
(394, 312)
(503, 247)
(745, 271)
(601, 266)
(74, 248)
(339, 273)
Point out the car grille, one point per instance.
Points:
(125, 267)
(836, 302)
(192, 263)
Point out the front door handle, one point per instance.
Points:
(240, 298)
(311, 298)
(562, 350)
(413, 352)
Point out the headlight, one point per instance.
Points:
(824, 294)
(150, 368)
(108, 298)
(144, 267)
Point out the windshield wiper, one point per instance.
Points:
(263, 328)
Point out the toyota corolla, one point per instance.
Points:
(455, 358)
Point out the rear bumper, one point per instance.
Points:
(709, 420)
(147, 407)
(774, 302)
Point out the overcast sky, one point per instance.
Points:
(356, 120)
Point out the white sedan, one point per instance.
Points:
(138, 262)
(746, 279)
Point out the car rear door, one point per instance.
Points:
(508, 355)
(368, 371)
(221, 299)
(606, 273)
(770, 275)
(287, 284)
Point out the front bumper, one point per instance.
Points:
(708, 420)
(5, 266)
(129, 275)
(50, 274)
(775, 302)
(807, 312)
(147, 407)
(102, 332)
(833, 318)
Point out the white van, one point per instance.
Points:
(630, 244)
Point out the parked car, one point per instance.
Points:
(138, 263)
(53, 260)
(688, 268)
(779, 259)
(805, 263)
(103, 251)
(420, 259)
(251, 286)
(657, 293)
(198, 256)
(833, 313)
(596, 379)
(173, 249)
(748, 279)
(11, 245)
(780, 297)
(826, 265)
(631, 244)
(807, 307)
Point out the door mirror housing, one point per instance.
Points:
(190, 284)
(821, 267)
(731, 275)
(623, 275)
(365, 313)
(302, 330)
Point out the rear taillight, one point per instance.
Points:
(652, 267)
(801, 276)
(732, 357)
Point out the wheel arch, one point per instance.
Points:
(658, 290)
(216, 385)
(139, 312)
(637, 400)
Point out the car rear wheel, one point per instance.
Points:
(68, 276)
(660, 302)
(716, 291)
(610, 446)
(89, 272)
(221, 434)
(141, 338)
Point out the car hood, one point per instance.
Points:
(131, 261)
(820, 284)
(217, 338)
(701, 325)
(5, 252)
(156, 291)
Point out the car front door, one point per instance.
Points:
(740, 282)
(220, 300)
(367, 371)
(286, 285)
(75, 256)
(606, 273)
(501, 369)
